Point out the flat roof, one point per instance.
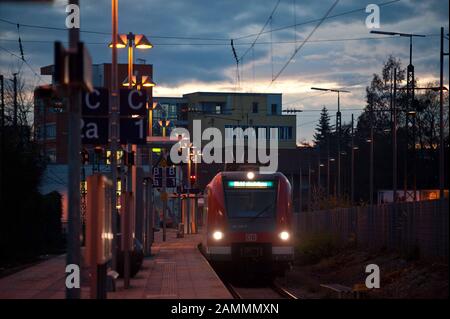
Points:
(229, 93)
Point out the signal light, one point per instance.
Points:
(192, 179)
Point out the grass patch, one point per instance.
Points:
(316, 247)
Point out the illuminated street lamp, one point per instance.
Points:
(138, 41)
(139, 81)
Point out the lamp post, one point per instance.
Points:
(410, 92)
(74, 142)
(114, 129)
(410, 69)
(318, 175)
(412, 113)
(352, 169)
(330, 160)
(441, 120)
(394, 138)
(309, 187)
(338, 131)
(371, 142)
(131, 41)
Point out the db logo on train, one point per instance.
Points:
(251, 237)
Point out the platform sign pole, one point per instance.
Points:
(114, 127)
(127, 235)
(150, 219)
(164, 192)
(74, 142)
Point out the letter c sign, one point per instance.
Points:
(133, 102)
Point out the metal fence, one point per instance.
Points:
(407, 227)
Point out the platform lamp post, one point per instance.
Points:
(410, 92)
(338, 131)
(441, 120)
(138, 41)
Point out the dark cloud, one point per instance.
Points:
(343, 63)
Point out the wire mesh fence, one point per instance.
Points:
(412, 227)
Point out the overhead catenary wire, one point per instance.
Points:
(315, 20)
(177, 37)
(34, 26)
(36, 75)
(304, 42)
(226, 44)
(261, 31)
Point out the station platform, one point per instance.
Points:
(176, 270)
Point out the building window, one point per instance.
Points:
(274, 108)
(289, 133)
(48, 131)
(285, 132)
(255, 107)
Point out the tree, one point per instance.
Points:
(420, 153)
(24, 100)
(323, 129)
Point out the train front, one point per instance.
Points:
(249, 223)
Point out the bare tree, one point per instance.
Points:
(25, 100)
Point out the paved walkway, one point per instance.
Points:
(176, 270)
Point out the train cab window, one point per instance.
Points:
(250, 202)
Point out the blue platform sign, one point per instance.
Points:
(171, 177)
(133, 102)
(95, 103)
(94, 130)
(133, 130)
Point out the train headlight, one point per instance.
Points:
(284, 235)
(250, 175)
(217, 235)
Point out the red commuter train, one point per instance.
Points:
(248, 221)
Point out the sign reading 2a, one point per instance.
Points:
(94, 130)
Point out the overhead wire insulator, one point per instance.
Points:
(237, 62)
(20, 43)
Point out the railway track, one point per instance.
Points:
(271, 291)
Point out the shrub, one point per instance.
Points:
(314, 248)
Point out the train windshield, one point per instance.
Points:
(250, 202)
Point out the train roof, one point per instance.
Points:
(240, 174)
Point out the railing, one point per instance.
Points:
(407, 227)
